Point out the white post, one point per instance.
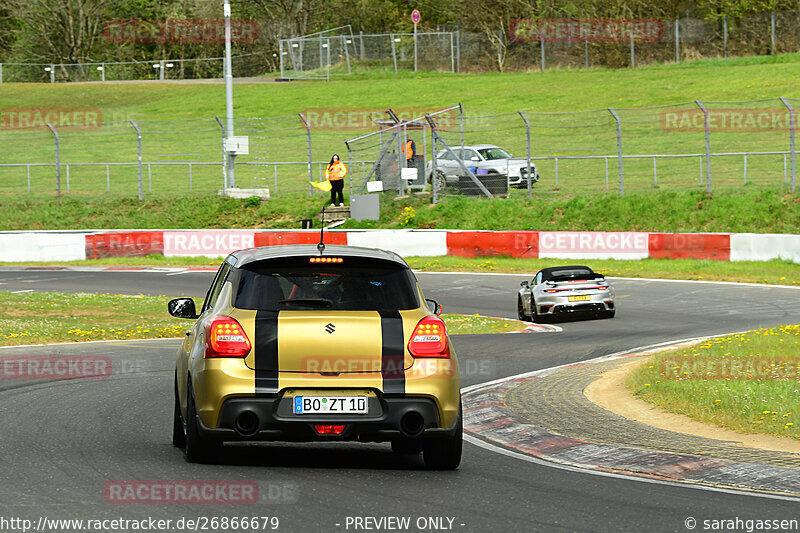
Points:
(708, 145)
(229, 91)
(415, 47)
(633, 55)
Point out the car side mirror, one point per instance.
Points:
(474, 158)
(182, 308)
(434, 306)
(524, 284)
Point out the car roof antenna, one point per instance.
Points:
(321, 245)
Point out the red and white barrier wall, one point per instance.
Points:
(69, 245)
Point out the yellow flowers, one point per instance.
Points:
(407, 216)
(746, 381)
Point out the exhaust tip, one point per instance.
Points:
(246, 424)
(412, 424)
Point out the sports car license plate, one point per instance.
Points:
(304, 405)
(579, 298)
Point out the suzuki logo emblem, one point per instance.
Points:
(330, 328)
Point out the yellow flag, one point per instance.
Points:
(322, 185)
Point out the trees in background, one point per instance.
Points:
(72, 31)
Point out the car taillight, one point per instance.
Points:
(429, 338)
(329, 429)
(225, 337)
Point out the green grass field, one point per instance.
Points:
(155, 107)
(746, 382)
(743, 210)
(34, 318)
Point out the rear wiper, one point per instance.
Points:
(321, 303)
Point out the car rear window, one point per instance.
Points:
(571, 273)
(354, 284)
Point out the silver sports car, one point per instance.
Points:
(562, 290)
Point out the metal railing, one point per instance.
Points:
(741, 143)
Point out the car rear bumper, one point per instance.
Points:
(388, 418)
(576, 308)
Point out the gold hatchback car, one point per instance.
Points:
(315, 343)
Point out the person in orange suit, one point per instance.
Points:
(335, 173)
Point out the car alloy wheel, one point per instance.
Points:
(521, 310)
(440, 181)
(534, 314)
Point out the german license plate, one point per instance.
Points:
(579, 298)
(306, 405)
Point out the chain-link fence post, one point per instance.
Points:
(528, 146)
(586, 54)
(394, 53)
(461, 120)
(792, 124)
(58, 162)
(401, 159)
(346, 51)
(139, 156)
(280, 56)
(541, 45)
(708, 145)
(224, 155)
(350, 172)
(458, 49)
(772, 32)
(1, 73)
(452, 55)
(619, 149)
(633, 53)
(677, 41)
(310, 160)
(725, 36)
(434, 182)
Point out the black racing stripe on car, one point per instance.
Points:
(392, 353)
(266, 358)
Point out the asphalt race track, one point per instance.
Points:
(64, 441)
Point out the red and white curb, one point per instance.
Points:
(490, 423)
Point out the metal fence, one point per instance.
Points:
(541, 44)
(525, 45)
(243, 65)
(615, 43)
(339, 50)
(702, 145)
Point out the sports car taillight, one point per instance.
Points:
(225, 337)
(429, 339)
